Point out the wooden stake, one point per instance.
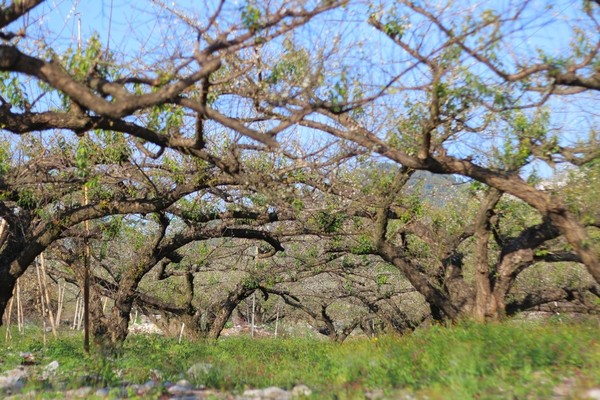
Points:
(61, 300)
(3, 225)
(8, 318)
(86, 279)
(42, 302)
(80, 318)
(10, 304)
(254, 296)
(76, 313)
(181, 331)
(20, 318)
(253, 309)
(41, 293)
(277, 321)
(47, 293)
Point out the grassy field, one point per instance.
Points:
(504, 361)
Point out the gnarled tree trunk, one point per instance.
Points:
(226, 308)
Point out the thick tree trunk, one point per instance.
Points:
(123, 305)
(110, 331)
(483, 294)
(511, 264)
(484, 301)
(20, 252)
(226, 309)
(436, 298)
(99, 324)
(119, 319)
(7, 284)
(170, 324)
(460, 294)
(567, 223)
(578, 238)
(219, 323)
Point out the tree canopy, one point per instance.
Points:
(369, 150)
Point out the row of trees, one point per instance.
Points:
(290, 162)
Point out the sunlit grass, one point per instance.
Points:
(510, 360)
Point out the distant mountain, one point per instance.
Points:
(434, 187)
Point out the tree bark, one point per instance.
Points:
(484, 301)
(578, 238)
(433, 295)
(121, 314)
(561, 218)
(227, 306)
(7, 284)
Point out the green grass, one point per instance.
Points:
(504, 361)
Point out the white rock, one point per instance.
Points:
(50, 370)
(301, 391)
(565, 388)
(593, 394)
(145, 329)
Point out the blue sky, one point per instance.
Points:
(133, 28)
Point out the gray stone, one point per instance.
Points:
(194, 395)
(103, 392)
(13, 379)
(79, 393)
(134, 388)
(176, 389)
(184, 383)
(145, 329)
(270, 393)
(149, 385)
(182, 386)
